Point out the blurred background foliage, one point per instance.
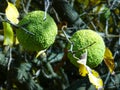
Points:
(52, 69)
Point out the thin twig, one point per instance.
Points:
(114, 2)
(106, 28)
(2, 14)
(22, 28)
(109, 35)
(23, 5)
(10, 58)
(91, 21)
(114, 19)
(46, 75)
(47, 4)
(72, 2)
(84, 47)
(107, 78)
(66, 36)
(28, 5)
(56, 15)
(54, 75)
(75, 57)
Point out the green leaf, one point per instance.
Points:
(8, 34)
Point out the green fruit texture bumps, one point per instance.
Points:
(94, 44)
(41, 33)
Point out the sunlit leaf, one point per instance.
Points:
(108, 54)
(12, 13)
(8, 34)
(82, 70)
(92, 74)
(16, 41)
(95, 79)
(40, 52)
(109, 60)
(99, 9)
(82, 64)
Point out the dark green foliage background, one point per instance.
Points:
(52, 70)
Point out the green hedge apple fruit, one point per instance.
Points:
(92, 42)
(35, 33)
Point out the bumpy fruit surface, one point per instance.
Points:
(91, 41)
(41, 33)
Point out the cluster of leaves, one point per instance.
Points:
(50, 69)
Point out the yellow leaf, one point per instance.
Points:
(40, 52)
(109, 60)
(8, 34)
(92, 74)
(16, 41)
(82, 70)
(82, 64)
(95, 79)
(12, 13)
